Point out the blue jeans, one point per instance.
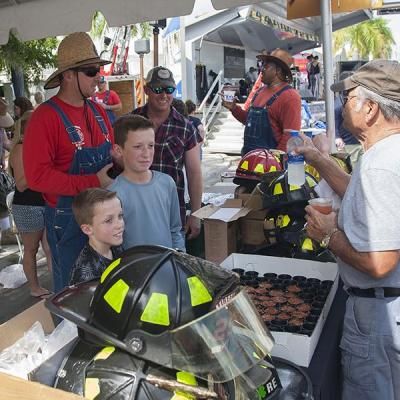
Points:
(371, 349)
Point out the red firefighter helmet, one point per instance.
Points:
(255, 164)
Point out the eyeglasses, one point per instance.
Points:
(344, 98)
(159, 90)
(91, 72)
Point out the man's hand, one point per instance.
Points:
(230, 105)
(309, 150)
(319, 225)
(193, 227)
(104, 179)
(339, 144)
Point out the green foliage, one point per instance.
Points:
(100, 26)
(32, 56)
(372, 38)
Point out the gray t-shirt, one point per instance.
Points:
(151, 211)
(370, 212)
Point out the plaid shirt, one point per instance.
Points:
(173, 138)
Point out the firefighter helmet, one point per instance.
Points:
(254, 165)
(102, 373)
(280, 193)
(166, 307)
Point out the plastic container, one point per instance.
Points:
(295, 167)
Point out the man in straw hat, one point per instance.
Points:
(276, 106)
(365, 234)
(67, 147)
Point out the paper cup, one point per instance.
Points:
(229, 95)
(321, 204)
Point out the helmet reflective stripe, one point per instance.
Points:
(293, 187)
(156, 310)
(113, 265)
(92, 388)
(307, 244)
(282, 221)
(310, 181)
(245, 165)
(188, 379)
(104, 353)
(259, 168)
(115, 296)
(272, 169)
(278, 189)
(198, 292)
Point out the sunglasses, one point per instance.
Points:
(159, 90)
(91, 72)
(345, 97)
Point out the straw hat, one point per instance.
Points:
(75, 50)
(280, 57)
(6, 120)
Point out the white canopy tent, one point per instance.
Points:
(35, 19)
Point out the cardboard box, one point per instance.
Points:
(252, 225)
(220, 228)
(291, 346)
(252, 228)
(12, 388)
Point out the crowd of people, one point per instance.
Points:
(66, 148)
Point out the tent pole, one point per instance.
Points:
(326, 24)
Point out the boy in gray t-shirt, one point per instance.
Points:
(149, 198)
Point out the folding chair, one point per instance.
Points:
(13, 227)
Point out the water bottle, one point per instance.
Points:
(296, 174)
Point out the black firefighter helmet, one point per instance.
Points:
(171, 309)
(280, 193)
(107, 373)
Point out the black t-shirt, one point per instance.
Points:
(90, 264)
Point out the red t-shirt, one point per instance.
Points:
(285, 112)
(48, 151)
(113, 98)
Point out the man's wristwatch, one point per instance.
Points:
(325, 241)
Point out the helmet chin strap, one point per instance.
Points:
(79, 87)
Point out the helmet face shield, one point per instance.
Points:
(225, 343)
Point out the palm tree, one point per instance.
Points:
(372, 38)
(100, 26)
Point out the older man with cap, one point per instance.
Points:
(365, 234)
(176, 143)
(67, 147)
(276, 106)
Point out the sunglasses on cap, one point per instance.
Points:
(159, 90)
(91, 72)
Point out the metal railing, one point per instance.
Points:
(215, 105)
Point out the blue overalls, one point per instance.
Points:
(258, 133)
(65, 237)
(110, 114)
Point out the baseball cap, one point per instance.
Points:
(380, 76)
(160, 76)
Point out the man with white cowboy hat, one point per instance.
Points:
(67, 147)
(276, 106)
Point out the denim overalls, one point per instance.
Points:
(65, 237)
(258, 133)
